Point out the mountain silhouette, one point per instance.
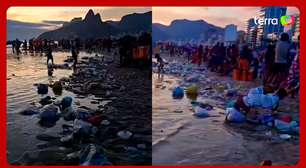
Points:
(92, 27)
(186, 30)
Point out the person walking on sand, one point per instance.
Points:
(160, 62)
(74, 53)
(17, 46)
(49, 55)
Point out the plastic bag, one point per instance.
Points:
(83, 114)
(192, 90)
(66, 102)
(178, 93)
(68, 114)
(125, 135)
(42, 89)
(95, 120)
(231, 104)
(235, 116)
(266, 119)
(49, 113)
(45, 100)
(83, 128)
(91, 156)
(201, 112)
(289, 128)
(57, 88)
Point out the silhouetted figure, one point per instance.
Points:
(49, 55)
(17, 46)
(13, 46)
(25, 45)
(31, 47)
(74, 53)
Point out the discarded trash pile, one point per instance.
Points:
(128, 136)
(118, 133)
(91, 77)
(195, 82)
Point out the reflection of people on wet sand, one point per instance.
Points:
(50, 69)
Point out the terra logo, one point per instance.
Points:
(284, 21)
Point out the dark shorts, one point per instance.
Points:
(280, 68)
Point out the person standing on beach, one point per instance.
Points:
(281, 61)
(49, 55)
(160, 62)
(268, 61)
(200, 55)
(74, 53)
(25, 45)
(17, 46)
(13, 46)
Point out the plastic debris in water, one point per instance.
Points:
(125, 135)
(105, 122)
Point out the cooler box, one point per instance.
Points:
(244, 76)
(236, 74)
(250, 75)
(244, 64)
(135, 53)
(143, 52)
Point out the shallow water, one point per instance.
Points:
(23, 72)
(168, 115)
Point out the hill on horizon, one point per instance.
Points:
(184, 29)
(92, 27)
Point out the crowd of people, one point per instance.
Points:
(275, 65)
(122, 46)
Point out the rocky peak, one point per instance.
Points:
(89, 14)
(91, 17)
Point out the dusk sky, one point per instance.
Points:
(29, 22)
(219, 16)
(59, 14)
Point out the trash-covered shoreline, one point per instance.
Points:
(128, 135)
(205, 138)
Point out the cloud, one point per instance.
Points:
(25, 30)
(54, 22)
(13, 23)
(39, 14)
